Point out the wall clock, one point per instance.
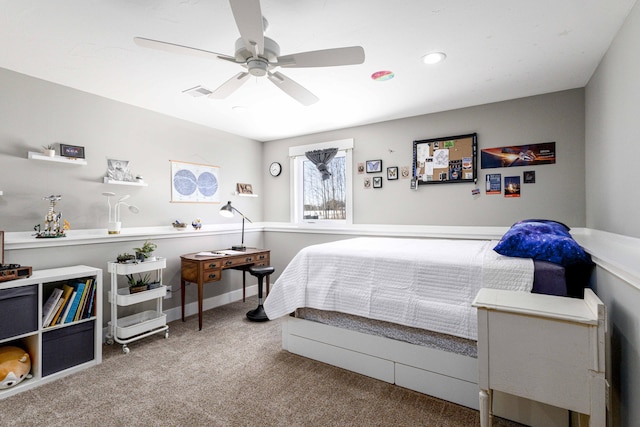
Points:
(275, 169)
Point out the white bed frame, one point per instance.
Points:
(434, 372)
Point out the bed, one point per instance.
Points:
(399, 310)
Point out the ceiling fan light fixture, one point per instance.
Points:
(257, 67)
(260, 55)
(434, 58)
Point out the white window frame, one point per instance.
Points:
(296, 156)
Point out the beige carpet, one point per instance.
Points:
(232, 373)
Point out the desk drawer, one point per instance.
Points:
(213, 264)
(211, 275)
(249, 259)
(261, 259)
(212, 270)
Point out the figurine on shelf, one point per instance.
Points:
(196, 224)
(52, 226)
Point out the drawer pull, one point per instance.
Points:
(212, 276)
(212, 265)
(228, 263)
(261, 257)
(248, 259)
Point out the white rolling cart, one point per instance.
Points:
(133, 327)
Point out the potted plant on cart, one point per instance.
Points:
(138, 284)
(143, 253)
(125, 258)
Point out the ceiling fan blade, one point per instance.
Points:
(230, 86)
(293, 89)
(176, 48)
(248, 16)
(323, 58)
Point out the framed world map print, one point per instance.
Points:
(194, 183)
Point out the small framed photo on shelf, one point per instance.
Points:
(392, 173)
(118, 170)
(377, 182)
(244, 188)
(72, 151)
(374, 166)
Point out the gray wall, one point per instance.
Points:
(557, 194)
(612, 204)
(613, 135)
(34, 113)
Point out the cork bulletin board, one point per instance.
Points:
(445, 160)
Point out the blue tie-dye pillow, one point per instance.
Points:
(542, 240)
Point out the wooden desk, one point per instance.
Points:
(545, 348)
(201, 269)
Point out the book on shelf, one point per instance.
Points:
(75, 302)
(50, 305)
(89, 311)
(83, 301)
(64, 318)
(66, 294)
(83, 296)
(53, 313)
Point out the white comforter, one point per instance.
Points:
(422, 283)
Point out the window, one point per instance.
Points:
(319, 201)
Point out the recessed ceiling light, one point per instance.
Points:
(433, 58)
(381, 76)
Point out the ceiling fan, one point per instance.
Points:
(260, 55)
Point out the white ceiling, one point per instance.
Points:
(496, 50)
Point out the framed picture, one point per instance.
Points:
(72, 151)
(518, 155)
(392, 173)
(445, 160)
(374, 166)
(529, 177)
(194, 183)
(377, 182)
(244, 188)
(118, 170)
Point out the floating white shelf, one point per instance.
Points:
(116, 182)
(57, 159)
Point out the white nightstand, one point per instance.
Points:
(545, 348)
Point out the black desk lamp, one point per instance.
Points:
(227, 211)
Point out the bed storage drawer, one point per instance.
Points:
(18, 311)
(333, 346)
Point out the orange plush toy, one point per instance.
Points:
(15, 366)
